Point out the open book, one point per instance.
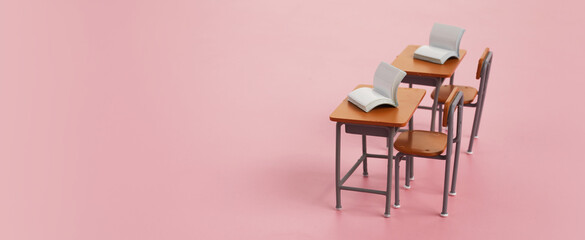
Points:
(386, 81)
(443, 44)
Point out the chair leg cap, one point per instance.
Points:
(337, 208)
(386, 215)
(452, 193)
(476, 137)
(366, 174)
(396, 206)
(406, 186)
(468, 152)
(444, 214)
(411, 178)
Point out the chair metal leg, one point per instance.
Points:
(337, 166)
(474, 129)
(446, 186)
(477, 118)
(411, 169)
(407, 174)
(480, 104)
(480, 114)
(365, 152)
(455, 167)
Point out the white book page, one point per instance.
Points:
(365, 96)
(397, 79)
(446, 36)
(432, 52)
(387, 79)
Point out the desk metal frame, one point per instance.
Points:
(382, 122)
(366, 130)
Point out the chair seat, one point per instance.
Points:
(469, 93)
(421, 143)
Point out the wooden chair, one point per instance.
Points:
(470, 94)
(427, 144)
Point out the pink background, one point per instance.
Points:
(209, 120)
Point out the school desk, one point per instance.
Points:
(382, 121)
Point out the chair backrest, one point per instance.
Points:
(454, 102)
(484, 63)
(483, 73)
(452, 99)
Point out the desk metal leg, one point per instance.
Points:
(365, 155)
(435, 103)
(389, 140)
(440, 118)
(337, 166)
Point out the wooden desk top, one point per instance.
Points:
(406, 62)
(408, 101)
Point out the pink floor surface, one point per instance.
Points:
(209, 120)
